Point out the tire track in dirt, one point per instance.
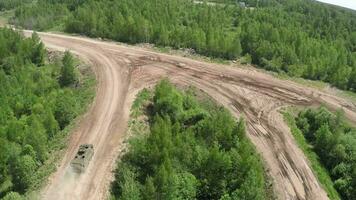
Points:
(122, 71)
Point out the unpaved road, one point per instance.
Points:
(122, 71)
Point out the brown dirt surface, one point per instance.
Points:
(122, 71)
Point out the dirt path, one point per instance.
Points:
(122, 71)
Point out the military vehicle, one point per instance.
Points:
(82, 158)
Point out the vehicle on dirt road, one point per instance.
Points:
(82, 158)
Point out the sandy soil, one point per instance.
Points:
(122, 71)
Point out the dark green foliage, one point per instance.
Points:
(39, 52)
(33, 109)
(335, 144)
(22, 169)
(207, 158)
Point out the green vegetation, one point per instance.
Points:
(330, 145)
(5, 16)
(193, 150)
(43, 15)
(35, 112)
(320, 171)
(67, 75)
(11, 4)
(301, 38)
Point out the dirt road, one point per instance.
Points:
(122, 71)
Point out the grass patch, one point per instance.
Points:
(138, 123)
(318, 169)
(310, 83)
(141, 98)
(319, 85)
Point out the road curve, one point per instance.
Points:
(122, 71)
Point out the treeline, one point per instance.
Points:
(335, 144)
(302, 38)
(36, 105)
(194, 151)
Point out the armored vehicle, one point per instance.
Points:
(82, 158)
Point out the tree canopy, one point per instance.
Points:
(193, 150)
(335, 143)
(34, 110)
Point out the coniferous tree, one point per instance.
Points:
(39, 52)
(67, 75)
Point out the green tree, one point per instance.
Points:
(12, 196)
(22, 169)
(168, 100)
(67, 75)
(50, 124)
(324, 140)
(37, 138)
(39, 52)
(64, 107)
(249, 188)
(235, 49)
(184, 186)
(149, 190)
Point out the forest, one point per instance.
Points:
(192, 150)
(301, 38)
(39, 98)
(191, 146)
(334, 142)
